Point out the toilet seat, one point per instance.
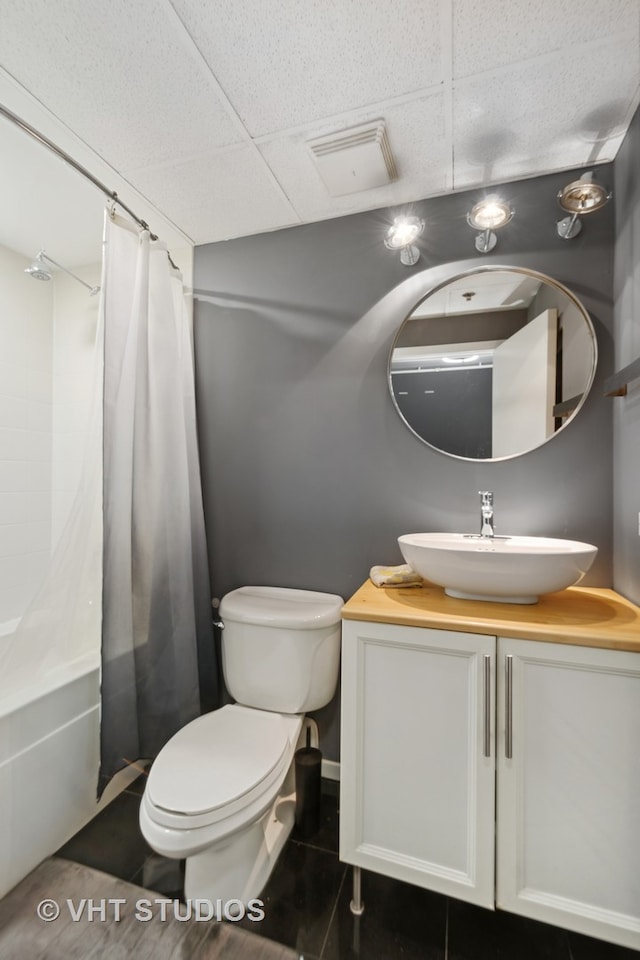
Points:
(219, 764)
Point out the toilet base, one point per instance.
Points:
(239, 867)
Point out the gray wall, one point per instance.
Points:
(626, 459)
(309, 474)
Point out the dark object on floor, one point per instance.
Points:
(308, 761)
(160, 873)
(64, 911)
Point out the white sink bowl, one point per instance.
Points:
(509, 570)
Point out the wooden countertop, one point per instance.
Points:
(586, 616)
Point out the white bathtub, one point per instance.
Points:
(49, 755)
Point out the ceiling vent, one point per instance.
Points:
(355, 159)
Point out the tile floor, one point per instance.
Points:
(307, 900)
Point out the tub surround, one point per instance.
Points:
(26, 362)
(49, 756)
(48, 766)
(585, 616)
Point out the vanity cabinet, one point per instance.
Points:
(497, 770)
(417, 790)
(568, 787)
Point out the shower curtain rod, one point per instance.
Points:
(59, 152)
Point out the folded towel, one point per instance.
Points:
(400, 576)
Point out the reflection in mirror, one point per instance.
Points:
(493, 363)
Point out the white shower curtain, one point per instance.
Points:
(156, 609)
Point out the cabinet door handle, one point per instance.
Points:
(487, 705)
(508, 706)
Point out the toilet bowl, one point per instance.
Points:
(221, 792)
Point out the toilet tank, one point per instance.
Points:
(281, 647)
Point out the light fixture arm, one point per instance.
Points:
(569, 227)
(409, 255)
(485, 241)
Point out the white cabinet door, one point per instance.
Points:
(417, 760)
(568, 841)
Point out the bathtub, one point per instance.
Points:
(49, 756)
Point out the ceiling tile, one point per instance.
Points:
(492, 33)
(284, 63)
(419, 142)
(219, 196)
(124, 76)
(505, 119)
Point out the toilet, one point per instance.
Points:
(221, 792)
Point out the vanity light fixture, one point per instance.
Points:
(401, 236)
(579, 198)
(488, 215)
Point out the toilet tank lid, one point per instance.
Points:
(281, 607)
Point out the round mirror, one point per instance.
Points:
(492, 363)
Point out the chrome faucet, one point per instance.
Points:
(486, 514)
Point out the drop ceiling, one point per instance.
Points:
(205, 107)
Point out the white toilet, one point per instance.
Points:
(221, 792)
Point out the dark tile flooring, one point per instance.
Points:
(307, 900)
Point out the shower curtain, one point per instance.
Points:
(156, 607)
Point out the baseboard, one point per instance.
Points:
(330, 770)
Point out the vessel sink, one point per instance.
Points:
(502, 569)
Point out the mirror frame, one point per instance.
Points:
(494, 268)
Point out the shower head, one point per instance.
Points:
(38, 269)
